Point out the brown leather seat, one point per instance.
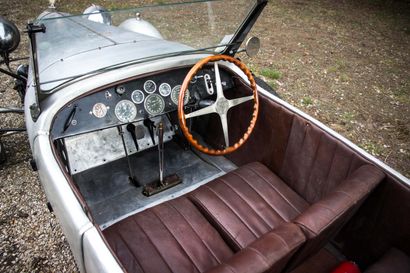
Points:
(176, 237)
(393, 261)
(247, 203)
(250, 201)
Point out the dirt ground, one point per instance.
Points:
(347, 63)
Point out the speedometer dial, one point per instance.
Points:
(125, 111)
(137, 96)
(165, 89)
(150, 86)
(175, 95)
(154, 104)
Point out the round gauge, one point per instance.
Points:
(137, 96)
(154, 104)
(175, 95)
(99, 110)
(165, 89)
(125, 111)
(150, 86)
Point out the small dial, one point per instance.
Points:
(137, 96)
(99, 110)
(154, 104)
(165, 89)
(125, 111)
(150, 86)
(175, 95)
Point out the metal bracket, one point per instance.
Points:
(32, 29)
(244, 29)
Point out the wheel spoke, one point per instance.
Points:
(224, 122)
(219, 90)
(204, 111)
(235, 102)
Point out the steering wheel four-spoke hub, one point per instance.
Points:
(221, 106)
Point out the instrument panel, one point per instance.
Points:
(134, 100)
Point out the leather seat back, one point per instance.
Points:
(322, 220)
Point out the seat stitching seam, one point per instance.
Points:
(253, 188)
(287, 145)
(259, 254)
(305, 188)
(132, 252)
(285, 198)
(230, 267)
(246, 202)
(330, 168)
(284, 243)
(173, 236)
(228, 206)
(203, 242)
(199, 203)
(257, 192)
(156, 248)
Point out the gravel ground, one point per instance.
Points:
(345, 62)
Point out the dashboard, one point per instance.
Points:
(135, 100)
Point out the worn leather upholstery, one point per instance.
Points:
(323, 219)
(247, 203)
(269, 253)
(393, 261)
(250, 201)
(171, 237)
(175, 237)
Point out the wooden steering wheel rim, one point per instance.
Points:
(181, 114)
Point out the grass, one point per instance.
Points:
(348, 117)
(372, 148)
(339, 66)
(307, 101)
(402, 94)
(271, 73)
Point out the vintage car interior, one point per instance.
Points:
(163, 206)
(197, 168)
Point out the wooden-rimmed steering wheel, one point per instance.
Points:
(221, 106)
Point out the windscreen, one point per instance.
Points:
(74, 45)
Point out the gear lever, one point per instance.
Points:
(161, 153)
(164, 182)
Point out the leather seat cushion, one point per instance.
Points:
(171, 237)
(393, 261)
(247, 203)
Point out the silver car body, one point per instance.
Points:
(63, 60)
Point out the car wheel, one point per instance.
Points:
(265, 86)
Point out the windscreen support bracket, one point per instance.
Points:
(244, 29)
(32, 30)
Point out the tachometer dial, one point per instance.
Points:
(154, 104)
(137, 96)
(150, 86)
(175, 95)
(165, 89)
(125, 111)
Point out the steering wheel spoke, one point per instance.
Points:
(219, 89)
(224, 122)
(204, 111)
(235, 102)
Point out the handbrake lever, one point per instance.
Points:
(131, 129)
(151, 126)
